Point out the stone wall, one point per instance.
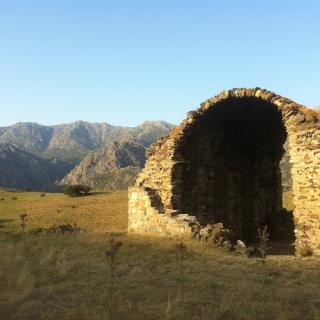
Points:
(305, 155)
(222, 164)
(144, 217)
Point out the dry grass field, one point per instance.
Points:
(98, 212)
(59, 277)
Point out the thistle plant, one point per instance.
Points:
(263, 237)
(181, 250)
(23, 217)
(114, 247)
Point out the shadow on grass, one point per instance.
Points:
(72, 273)
(4, 221)
(95, 193)
(281, 248)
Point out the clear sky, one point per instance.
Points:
(124, 62)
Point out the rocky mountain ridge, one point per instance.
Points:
(22, 170)
(113, 166)
(71, 142)
(29, 151)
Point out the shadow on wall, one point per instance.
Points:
(281, 233)
(232, 172)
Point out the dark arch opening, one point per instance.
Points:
(229, 170)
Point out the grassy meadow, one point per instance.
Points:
(97, 212)
(55, 276)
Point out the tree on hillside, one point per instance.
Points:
(76, 190)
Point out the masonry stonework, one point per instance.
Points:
(222, 164)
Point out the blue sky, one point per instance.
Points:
(124, 62)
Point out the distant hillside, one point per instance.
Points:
(148, 132)
(35, 156)
(22, 170)
(31, 137)
(115, 165)
(71, 142)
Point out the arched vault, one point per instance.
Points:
(221, 164)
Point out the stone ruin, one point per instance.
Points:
(221, 164)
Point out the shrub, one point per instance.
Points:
(76, 190)
(42, 195)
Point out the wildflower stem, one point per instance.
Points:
(111, 286)
(111, 255)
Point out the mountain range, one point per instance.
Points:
(22, 170)
(37, 157)
(113, 166)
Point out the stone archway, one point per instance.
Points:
(231, 171)
(222, 164)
